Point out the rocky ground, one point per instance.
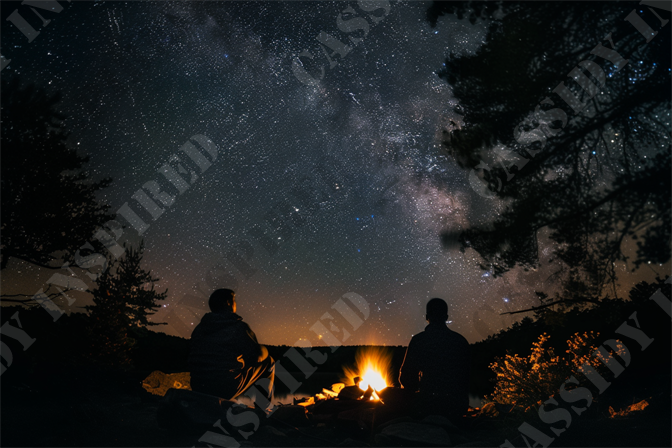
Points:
(79, 409)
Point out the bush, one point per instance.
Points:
(529, 381)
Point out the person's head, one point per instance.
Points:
(437, 311)
(222, 301)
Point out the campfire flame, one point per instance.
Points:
(374, 379)
(372, 367)
(371, 370)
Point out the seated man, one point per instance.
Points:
(225, 358)
(437, 364)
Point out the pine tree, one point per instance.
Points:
(49, 204)
(124, 299)
(594, 179)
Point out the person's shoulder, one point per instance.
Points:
(458, 337)
(241, 325)
(206, 321)
(418, 337)
(244, 325)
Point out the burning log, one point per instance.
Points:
(353, 403)
(351, 392)
(329, 393)
(368, 395)
(305, 401)
(362, 387)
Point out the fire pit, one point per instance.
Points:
(363, 382)
(357, 404)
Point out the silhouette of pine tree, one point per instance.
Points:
(48, 200)
(592, 193)
(124, 298)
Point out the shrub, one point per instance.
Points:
(529, 381)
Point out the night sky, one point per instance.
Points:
(138, 79)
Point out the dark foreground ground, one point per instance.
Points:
(51, 396)
(90, 409)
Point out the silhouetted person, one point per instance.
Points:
(437, 364)
(225, 358)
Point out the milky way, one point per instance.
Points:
(138, 79)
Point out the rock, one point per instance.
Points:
(198, 408)
(322, 419)
(417, 434)
(336, 406)
(363, 416)
(271, 431)
(350, 393)
(394, 421)
(460, 440)
(473, 445)
(382, 440)
(158, 383)
(436, 420)
(307, 401)
(440, 420)
(397, 397)
(348, 442)
(293, 415)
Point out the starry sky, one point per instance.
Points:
(138, 79)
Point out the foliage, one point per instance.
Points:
(528, 381)
(123, 300)
(603, 318)
(598, 179)
(49, 206)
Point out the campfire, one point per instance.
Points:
(364, 381)
(371, 370)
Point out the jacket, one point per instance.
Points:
(222, 345)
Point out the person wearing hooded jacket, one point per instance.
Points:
(225, 358)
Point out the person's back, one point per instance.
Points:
(437, 363)
(224, 356)
(221, 346)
